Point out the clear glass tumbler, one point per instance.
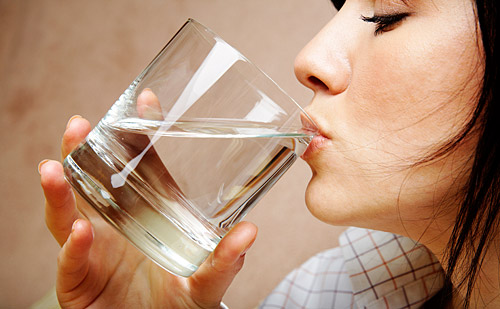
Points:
(188, 149)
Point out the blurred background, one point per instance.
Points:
(59, 58)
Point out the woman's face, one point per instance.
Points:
(393, 81)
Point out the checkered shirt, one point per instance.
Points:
(370, 269)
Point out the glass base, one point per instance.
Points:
(168, 246)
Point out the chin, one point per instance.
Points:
(340, 204)
(326, 203)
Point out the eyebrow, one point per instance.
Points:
(339, 3)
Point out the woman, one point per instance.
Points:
(404, 99)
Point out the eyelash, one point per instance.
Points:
(384, 22)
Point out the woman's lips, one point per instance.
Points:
(319, 139)
(309, 126)
(314, 146)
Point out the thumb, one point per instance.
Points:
(209, 283)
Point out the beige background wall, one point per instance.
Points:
(59, 58)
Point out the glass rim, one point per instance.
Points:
(209, 33)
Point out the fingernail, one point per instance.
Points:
(73, 227)
(71, 119)
(146, 91)
(245, 251)
(41, 164)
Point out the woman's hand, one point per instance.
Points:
(98, 267)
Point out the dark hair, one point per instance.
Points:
(478, 218)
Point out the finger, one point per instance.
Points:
(155, 173)
(60, 207)
(148, 105)
(73, 260)
(76, 131)
(210, 282)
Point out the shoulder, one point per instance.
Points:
(321, 282)
(370, 269)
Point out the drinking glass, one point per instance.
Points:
(188, 149)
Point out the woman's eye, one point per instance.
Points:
(385, 23)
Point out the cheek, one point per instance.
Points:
(419, 93)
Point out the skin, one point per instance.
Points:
(95, 262)
(383, 101)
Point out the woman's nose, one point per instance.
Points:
(323, 64)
